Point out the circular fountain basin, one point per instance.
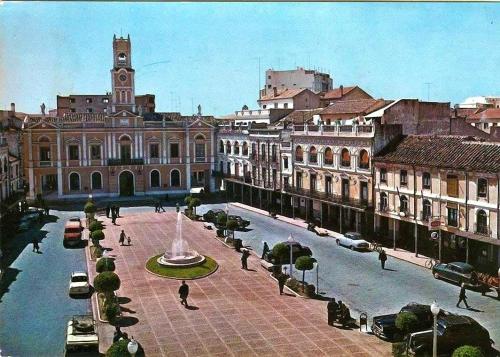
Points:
(191, 258)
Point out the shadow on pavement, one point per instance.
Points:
(124, 300)
(126, 321)
(191, 307)
(9, 276)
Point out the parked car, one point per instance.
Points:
(353, 241)
(298, 250)
(81, 333)
(72, 233)
(453, 331)
(76, 219)
(29, 218)
(457, 272)
(384, 326)
(242, 223)
(79, 283)
(211, 215)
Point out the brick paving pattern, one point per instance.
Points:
(239, 313)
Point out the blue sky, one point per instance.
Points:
(208, 53)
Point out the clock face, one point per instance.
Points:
(123, 77)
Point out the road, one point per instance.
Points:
(357, 278)
(34, 301)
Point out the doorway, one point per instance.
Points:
(126, 184)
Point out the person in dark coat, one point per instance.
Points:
(35, 245)
(332, 309)
(265, 250)
(157, 207)
(108, 210)
(117, 211)
(183, 293)
(382, 256)
(122, 237)
(160, 206)
(113, 215)
(282, 278)
(462, 296)
(244, 259)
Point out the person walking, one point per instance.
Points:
(332, 308)
(157, 209)
(244, 259)
(129, 241)
(108, 209)
(462, 296)
(122, 237)
(382, 256)
(183, 293)
(160, 206)
(117, 211)
(282, 278)
(265, 250)
(35, 245)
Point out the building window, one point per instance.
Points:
(95, 152)
(328, 157)
(125, 148)
(199, 152)
(273, 153)
(88, 100)
(383, 175)
(198, 178)
(71, 100)
(73, 152)
(426, 180)
(312, 182)
(403, 204)
(346, 158)
(275, 105)
(452, 185)
(72, 110)
(364, 160)
(245, 148)
(285, 105)
(96, 181)
(482, 222)
(403, 178)
(384, 203)
(221, 147)
(154, 151)
(123, 122)
(228, 147)
(175, 178)
(299, 154)
(236, 148)
(426, 210)
(482, 188)
(298, 180)
(155, 178)
(74, 182)
(285, 162)
(263, 151)
(44, 153)
(90, 110)
(264, 174)
(313, 155)
(174, 150)
(452, 217)
(105, 100)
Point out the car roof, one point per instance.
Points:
(416, 306)
(462, 265)
(74, 217)
(72, 224)
(79, 273)
(449, 320)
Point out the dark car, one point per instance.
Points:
(457, 272)
(298, 250)
(242, 223)
(384, 326)
(211, 215)
(453, 331)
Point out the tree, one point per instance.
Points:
(107, 283)
(280, 252)
(304, 263)
(105, 264)
(95, 226)
(96, 236)
(209, 216)
(187, 200)
(407, 322)
(89, 209)
(193, 203)
(231, 225)
(467, 351)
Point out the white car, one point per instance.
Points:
(81, 333)
(79, 283)
(353, 241)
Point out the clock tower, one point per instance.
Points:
(122, 76)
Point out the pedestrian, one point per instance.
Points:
(265, 250)
(160, 206)
(177, 207)
(157, 209)
(129, 240)
(122, 237)
(183, 293)
(282, 278)
(108, 209)
(382, 256)
(117, 211)
(46, 209)
(345, 315)
(462, 296)
(113, 216)
(244, 259)
(35, 245)
(332, 308)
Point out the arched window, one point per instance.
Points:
(254, 151)
(154, 179)
(328, 157)
(228, 147)
(96, 181)
(426, 210)
(263, 151)
(384, 203)
(299, 154)
(482, 222)
(346, 158)
(5, 166)
(364, 160)
(74, 182)
(313, 155)
(221, 147)
(245, 148)
(482, 187)
(236, 148)
(125, 147)
(199, 148)
(175, 178)
(403, 204)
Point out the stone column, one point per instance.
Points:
(212, 161)
(188, 162)
(59, 165)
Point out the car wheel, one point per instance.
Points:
(436, 275)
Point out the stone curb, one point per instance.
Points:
(173, 278)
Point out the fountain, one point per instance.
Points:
(180, 255)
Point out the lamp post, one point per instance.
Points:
(435, 311)
(290, 241)
(90, 197)
(132, 346)
(317, 278)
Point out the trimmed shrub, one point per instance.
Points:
(399, 349)
(231, 225)
(193, 203)
(304, 263)
(107, 282)
(293, 284)
(468, 351)
(221, 219)
(209, 216)
(407, 322)
(96, 236)
(119, 349)
(112, 310)
(105, 264)
(90, 208)
(187, 200)
(95, 225)
(310, 290)
(280, 252)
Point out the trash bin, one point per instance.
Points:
(238, 244)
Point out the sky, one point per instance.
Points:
(208, 53)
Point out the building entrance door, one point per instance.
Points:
(126, 184)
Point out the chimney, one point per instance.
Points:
(275, 91)
(341, 90)
(13, 108)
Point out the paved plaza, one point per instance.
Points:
(235, 312)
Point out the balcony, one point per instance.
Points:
(121, 162)
(327, 196)
(365, 130)
(364, 166)
(425, 216)
(382, 207)
(481, 229)
(45, 163)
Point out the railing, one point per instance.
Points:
(425, 216)
(382, 207)
(327, 196)
(345, 128)
(364, 166)
(345, 164)
(482, 229)
(338, 130)
(200, 159)
(313, 158)
(299, 159)
(45, 163)
(118, 162)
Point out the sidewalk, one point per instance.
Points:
(398, 253)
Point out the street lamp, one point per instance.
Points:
(90, 197)
(132, 347)
(435, 311)
(290, 241)
(227, 209)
